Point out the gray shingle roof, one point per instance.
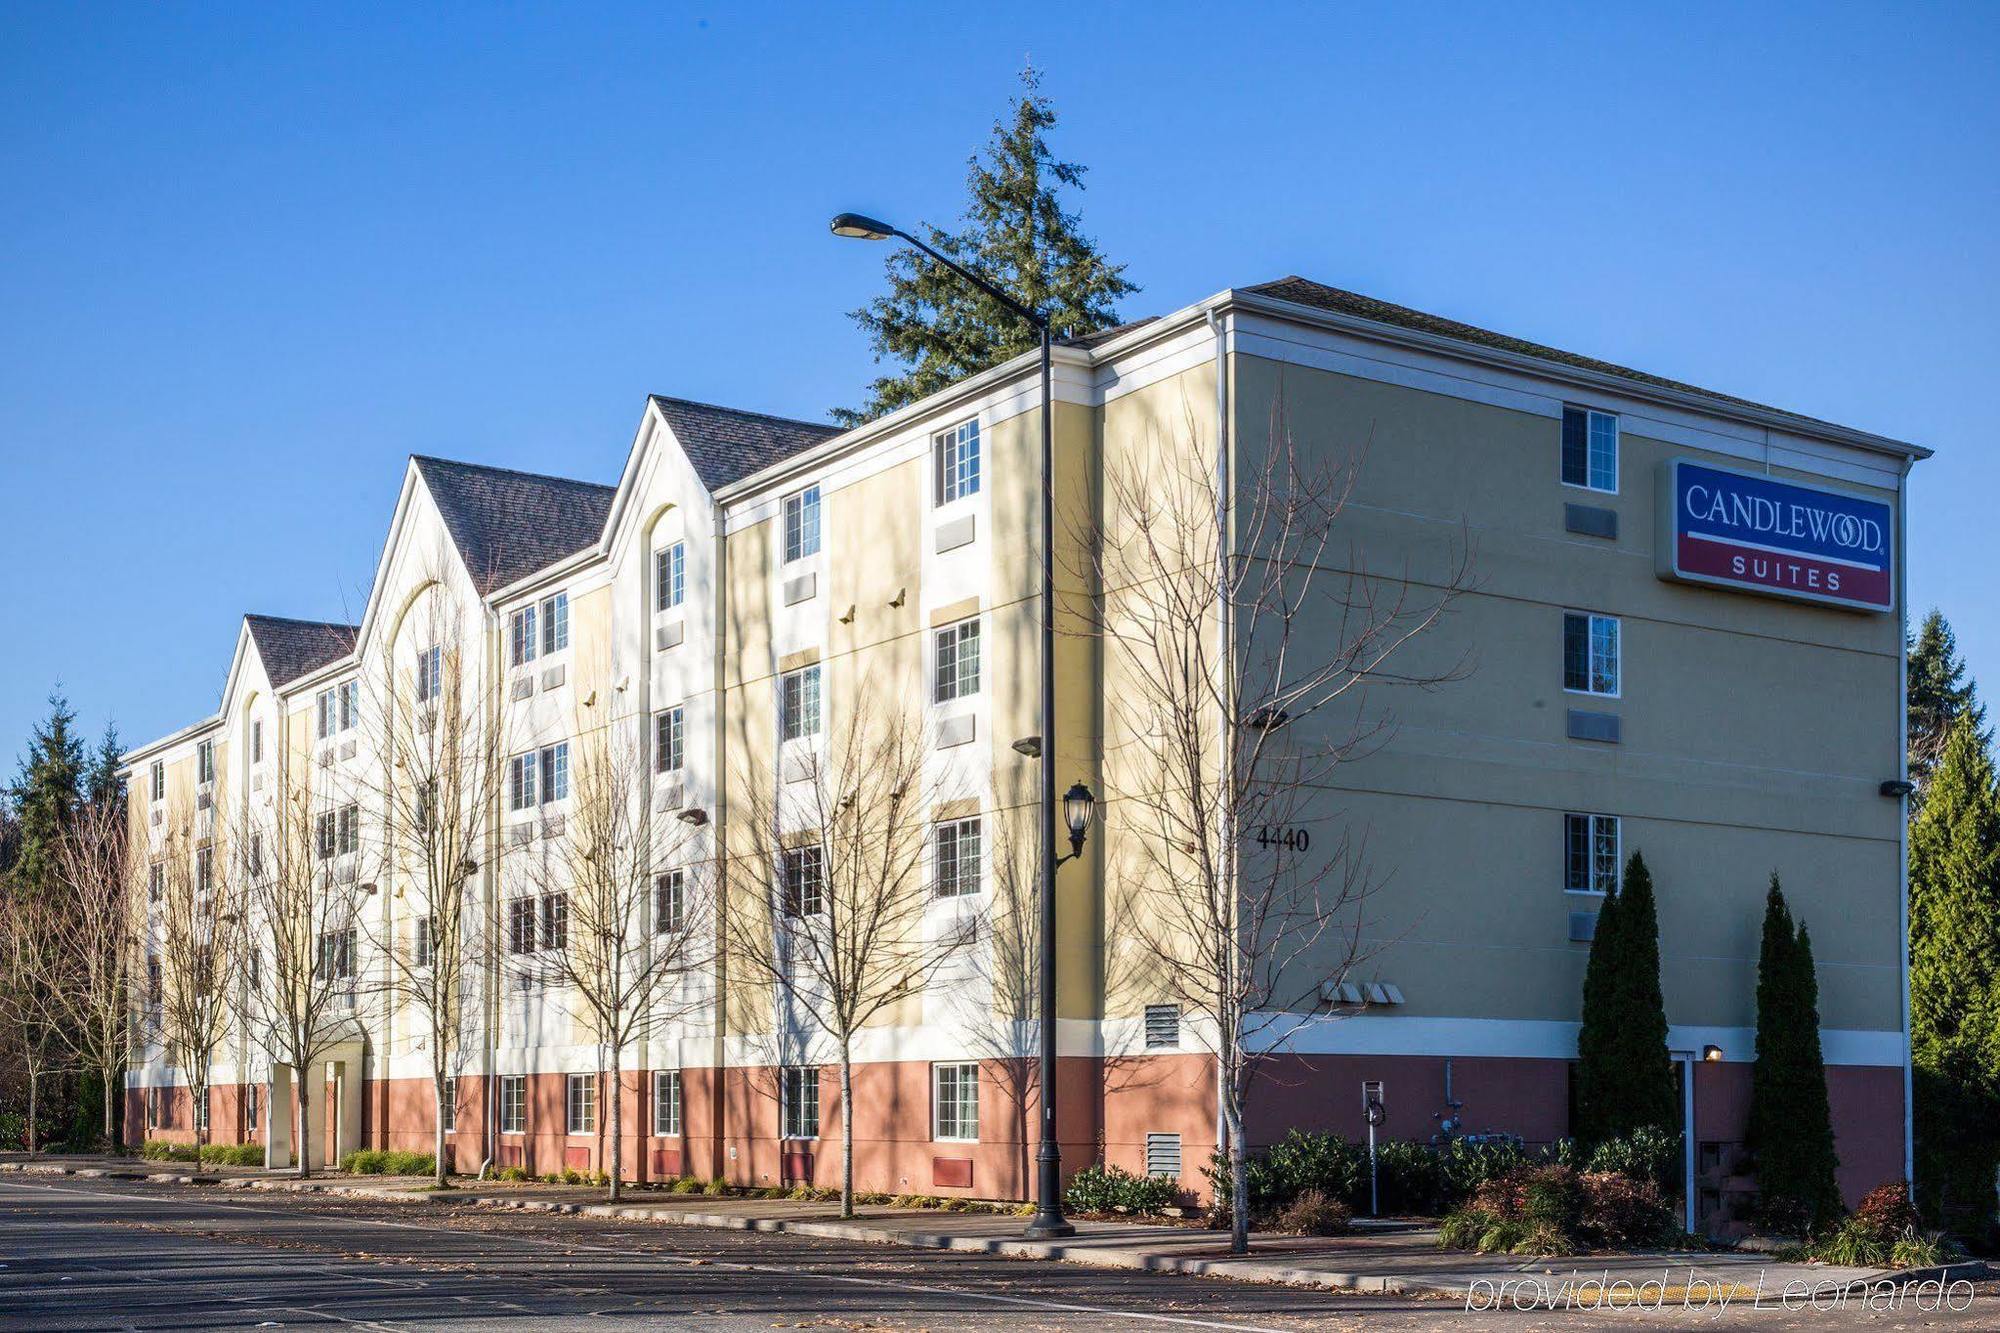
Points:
(509, 524)
(726, 444)
(294, 648)
(1304, 291)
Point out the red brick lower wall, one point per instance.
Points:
(176, 1121)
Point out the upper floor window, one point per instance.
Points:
(350, 704)
(1590, 853)
(204, 870)
(955, 462)
(323, 714)
(521, 926)
(668, 752)
(805, 881)
(802, 524)
(957, 659)
(430, 674)
(156, 882)
(1590, 449)
(159, 779)
(670, 577)
(1590, 653)
(958, 857)
(538, 777)
(523, 641)
(257, 740)
(336, 954)
(204, 762)
(555, 921)
(555, 623)
(423, 948)
(670, 903)
(798, 705)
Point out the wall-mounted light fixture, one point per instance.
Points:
(1897, 788)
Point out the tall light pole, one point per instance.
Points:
(1048, 1220)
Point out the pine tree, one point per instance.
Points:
(1791, 1119)
(101, 784)
(46, 796)
(1955, 978)
(1625, 1077)
(1017, 233)
(1939, 694)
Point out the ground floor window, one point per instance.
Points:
(666, 1102)
(955, 1101)
(798, 1102)
(582, 1103)
(251, 1094)
(201, 1110)
(152, 1108)
(448, 1107)
(513, 1103)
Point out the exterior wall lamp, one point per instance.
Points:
(1078, 806)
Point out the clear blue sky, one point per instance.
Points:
(252, 256)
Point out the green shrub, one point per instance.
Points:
(1099, 1188)
(1552, 1199)
(1462, 1229)
(233, 1154)
(1466, 1163)
(685, 1185)
(1314, 1213)
(872, 1199)
(715, 1188)
(1544, 1240)
(511, 1173)
(1501, 1236)
(1644, 1154)
(1922, 1249)
(159, 1150)
(1411, 1177)
(1619, 1212)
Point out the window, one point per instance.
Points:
(325, 835)
(350, 704)
(582, 1101)
(521, 770)
(958, 857)
(798, 705)
(1590, 449)
(802, 524)
(798, 1097)
(201, 1109)
(257, 740)
(1590, 844)
(1590, 653)
(805, 881)
(430, 674)
(448, 1108)
(152, 1107)
(250, 1095)
(156, 882)
(423, 948)
(1163, 1026)
(555, 623)
(522, 643)
(350, 829)
(955, 462)
(513, 1103)
(204, 762)
(667, 751)
(957, 661)
(323, 714)
(670, 902)
(336, 954)
(955, 1102)
(666, 1102)
(555, 920)
(521, 926)
(155, 983)
(204, 870)
(159, 780)
(538, 777)
(555, 772)
(670, 577)
(256, 855)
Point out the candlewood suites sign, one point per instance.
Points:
(1755, 533)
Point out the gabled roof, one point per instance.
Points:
(1304, 291)
(725, 444)
(290, 649)
(508, 524)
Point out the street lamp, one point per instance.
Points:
(1048, 1220)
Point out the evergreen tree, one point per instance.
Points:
(1018, 234)
(46, 796)
(1625, 1077)
(1955, 978)
(102, 785)
(1791, 1120)
(1939, 694)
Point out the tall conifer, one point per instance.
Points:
(1625, 1077)
(1791, 1122)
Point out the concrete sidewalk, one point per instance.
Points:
(1391, 1259)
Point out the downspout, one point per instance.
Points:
(491, 1036)
(1224, 624)
(719, 1041)
(1903, 811)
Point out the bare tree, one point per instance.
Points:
(438, 762)
(303, 890)
(96, 945)
(1243, 636)
(622, 908)
(827, 903)
(200, 933)
(32, 976)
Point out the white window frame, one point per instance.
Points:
(524, 635)
(323, 715)
(794, 861)
(430, 673)
(961, 1074)
(256, 740)
(670, 902)
(799, 704)
(513, 1103)
(204, 762)
(580, 1104)
(523, 920)
(250, 1108)
(524, 773)
(448, 1111)
(159, 781)
(555, 623)
(949, 857)
(798, 1093)
(423, 941)
(1598, 882)
(348, 694)
(1596, 424)
(552, 919)
(667, 1097)
(955, 463)
(1593, 622)
(802, 530)
(955, 639)
(670, 577)
(670, 740)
